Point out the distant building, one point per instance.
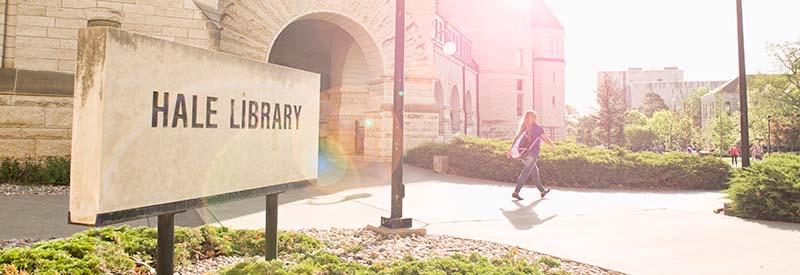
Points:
(667, 83)
(508, 58)
(725, 97)
(521, 57)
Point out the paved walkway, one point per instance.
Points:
(633, 232)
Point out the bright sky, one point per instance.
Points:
(699, 36)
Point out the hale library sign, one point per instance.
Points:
(160, 127)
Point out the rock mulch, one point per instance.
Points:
(367, 247)
(33, 190)
(17, 243)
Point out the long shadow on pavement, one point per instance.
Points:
(524, 217)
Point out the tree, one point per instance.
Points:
(610, 118)
(724, 131)
(634, 117)
(787, 107)
(653, 103)
(586, 131)
(662, 124)
(694, 107)
(640, 138)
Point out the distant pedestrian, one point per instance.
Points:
(526, 147)
(734, 152)
(757, 150)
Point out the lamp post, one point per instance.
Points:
(745, 135)
(396, 220)
(769, 134)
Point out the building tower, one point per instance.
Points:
(548, 69)
(519, 47)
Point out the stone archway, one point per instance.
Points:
(252, 29)
(469, 112)
(438, 95)
(324, 48)
(455, 111)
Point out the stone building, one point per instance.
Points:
(667, 83)
(519, 46)
(350, 43)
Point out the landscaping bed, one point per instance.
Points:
(214, 250)
(769, 189)
(579, 166)
(33, 190)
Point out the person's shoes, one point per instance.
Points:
(544, 193)
(516, 196)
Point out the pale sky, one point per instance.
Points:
(699, 36)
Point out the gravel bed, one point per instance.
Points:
(367, 247)
(17, 243)
(26, 190)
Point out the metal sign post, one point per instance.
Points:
(165, 255)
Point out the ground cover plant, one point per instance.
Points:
(580, 166)
(769, 189)
(126, 250)
(326, 263)
(116, 250)
(50, 171)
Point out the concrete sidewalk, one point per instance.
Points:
(633, 232)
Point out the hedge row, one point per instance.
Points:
(769, 189)
(52, 171)
(575, 165)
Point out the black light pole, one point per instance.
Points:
(745, 137)
(769, 134)
(396, 219)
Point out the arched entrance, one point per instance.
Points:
(469, 112)
(325, 48)
(438, 96)
(455, 111)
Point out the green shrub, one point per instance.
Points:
(52, 171)
(575, 165)
(326, 263)
(640, 138)
(548, 262)
(769, 189)
(118, 249)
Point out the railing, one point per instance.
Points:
(444, 32)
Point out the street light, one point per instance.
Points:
(745, 131)
(396, 220)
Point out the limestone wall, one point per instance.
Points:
(44, 36)
(33, 126)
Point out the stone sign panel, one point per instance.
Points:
(160, 127)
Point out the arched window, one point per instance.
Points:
(728, 107)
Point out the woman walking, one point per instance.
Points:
(526, 147)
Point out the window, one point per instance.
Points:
(519, 104)
(554, 47)
(554, 101)
(554, 77)
(519, 58)
(519, 84)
